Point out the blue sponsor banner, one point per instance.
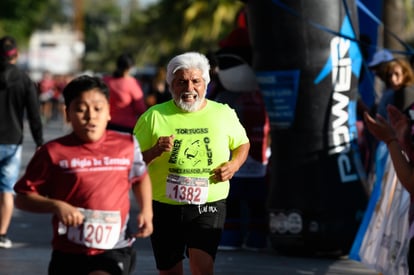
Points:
(368, 35)
(381, 156)
(280, 92)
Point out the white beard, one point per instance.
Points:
(192, 107)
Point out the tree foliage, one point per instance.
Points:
(102, 21)
(164, 29)
(157, 32)
(399, 21)
(21, 18)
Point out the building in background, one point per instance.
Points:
(58, 51)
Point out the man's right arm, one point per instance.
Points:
(163, 144)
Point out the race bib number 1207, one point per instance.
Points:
(101, 229)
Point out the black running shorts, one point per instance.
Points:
(115, 261)
(179, 227)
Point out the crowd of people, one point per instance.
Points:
(50, 88)
(390, 121)
(177, 154)
(131, 94)
(192, 173)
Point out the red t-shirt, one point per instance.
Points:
(126, 100)
(94, 176)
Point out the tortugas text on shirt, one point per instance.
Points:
(190, 157)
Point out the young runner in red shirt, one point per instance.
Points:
(84, 179)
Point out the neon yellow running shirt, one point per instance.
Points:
(202, 142)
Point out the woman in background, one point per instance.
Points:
(399, 79)
(127, 101)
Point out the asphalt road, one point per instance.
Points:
(31, 234)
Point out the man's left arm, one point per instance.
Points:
(227, 170)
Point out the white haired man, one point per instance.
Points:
(193, 146)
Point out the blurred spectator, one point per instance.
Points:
(214, 84)
(158, 92)
(378, 62)
(367, 144)
(47, 89)
(18, 97)
(58, 101)
(399, 78)
(126, 99)
(246, 220)
(377, 65)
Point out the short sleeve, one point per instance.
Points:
(139, 167)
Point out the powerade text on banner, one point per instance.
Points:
(307, 64)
